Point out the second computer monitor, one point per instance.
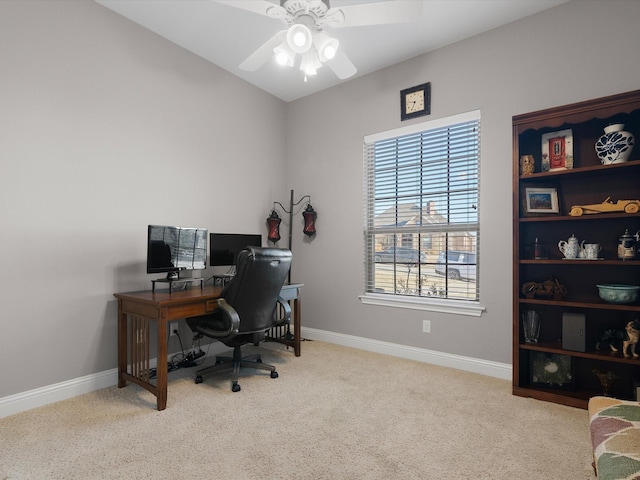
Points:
(225, 247)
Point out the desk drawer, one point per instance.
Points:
(192, 309)
(132, 307)
(211, 305)
(289, 293)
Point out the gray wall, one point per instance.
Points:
(577, 51)
(105, 127)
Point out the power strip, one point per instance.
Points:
(190, 359)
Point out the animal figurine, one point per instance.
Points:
(527, 165)
(625, 340)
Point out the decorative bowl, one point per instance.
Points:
(616, 293)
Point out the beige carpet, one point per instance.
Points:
(334, 413)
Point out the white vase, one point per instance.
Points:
(615, 145)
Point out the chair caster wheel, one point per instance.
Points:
(198, 378)
(274, 374)
(235, 387)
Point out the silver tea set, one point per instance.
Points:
(572, 249)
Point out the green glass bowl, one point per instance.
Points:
(616, 293)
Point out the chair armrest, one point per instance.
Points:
(230, 312)
(287, 311)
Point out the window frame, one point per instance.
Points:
(443, 305)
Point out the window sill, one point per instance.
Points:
(473, 309)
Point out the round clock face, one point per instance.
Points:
(414, 101)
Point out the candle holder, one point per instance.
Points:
(607, 379)
(309, 215)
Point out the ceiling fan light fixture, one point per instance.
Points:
(328, 52)
(310, 63)
(299, 38)
(284, 55)
(326, 46)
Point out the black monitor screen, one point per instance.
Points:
(225, 247)
(171, 249)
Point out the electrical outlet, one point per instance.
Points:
(426, 326)
(173, 326)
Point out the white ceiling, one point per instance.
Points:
(226, 36)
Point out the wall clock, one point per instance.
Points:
(415, 101)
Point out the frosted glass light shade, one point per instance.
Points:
(299, 38)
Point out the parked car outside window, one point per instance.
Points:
(402, 255)
(461, 265)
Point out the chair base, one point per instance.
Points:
(236, 362)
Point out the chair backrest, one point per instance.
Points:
(253, 292)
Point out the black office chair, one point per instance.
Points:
(249, 305)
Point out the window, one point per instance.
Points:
(421, 211)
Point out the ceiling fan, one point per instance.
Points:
(305, 35)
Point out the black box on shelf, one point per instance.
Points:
(573, 332)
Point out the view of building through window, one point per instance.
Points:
(422, 227)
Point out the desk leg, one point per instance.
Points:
(296, 326)
(122, 345)
(278, 336)
(161, 366)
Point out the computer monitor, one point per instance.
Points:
(225, 247)
(173, 249)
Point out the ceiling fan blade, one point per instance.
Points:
(261, 7)
(356, 15)
(264, 53)
(341, 65)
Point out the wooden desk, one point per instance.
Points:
(289, 293)
(137, 309)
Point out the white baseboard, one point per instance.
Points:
(469, 364)
(39, 397)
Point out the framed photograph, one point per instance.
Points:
(557, 151)
(541, 200)
(551, 370)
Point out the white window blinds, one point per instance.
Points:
(421, 209)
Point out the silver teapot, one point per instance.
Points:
(628, 245)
